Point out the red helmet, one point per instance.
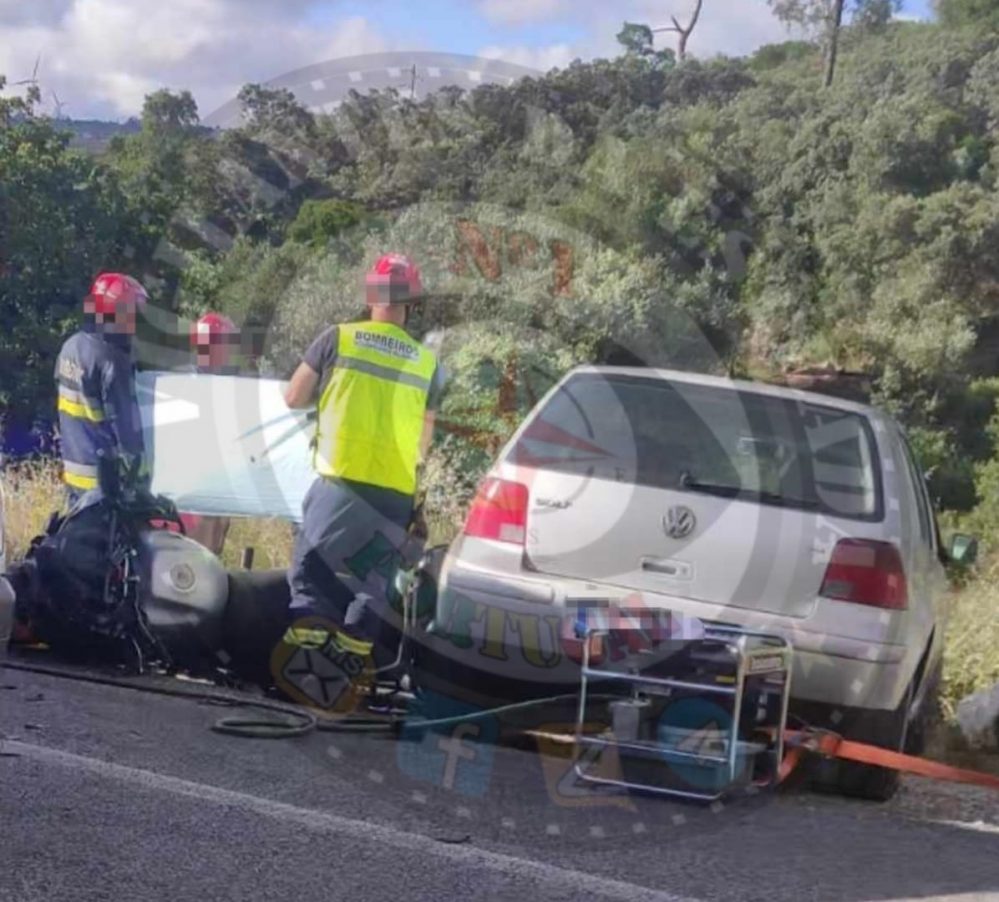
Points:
(212, 337)
(112, 289)
(394, 279)
(205, 330)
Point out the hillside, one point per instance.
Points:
(93, 135)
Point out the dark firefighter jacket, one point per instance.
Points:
(98, 409)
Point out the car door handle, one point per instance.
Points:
(676, 569)
(659, 567)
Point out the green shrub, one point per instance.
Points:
(319, 221)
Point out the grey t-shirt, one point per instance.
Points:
(321, 357)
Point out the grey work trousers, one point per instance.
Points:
(339, 520)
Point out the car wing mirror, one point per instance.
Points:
(963, 550)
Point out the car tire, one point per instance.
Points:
(886, 729)
(866, 781)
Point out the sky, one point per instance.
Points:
(99, 58)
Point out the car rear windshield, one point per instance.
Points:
(707, 439)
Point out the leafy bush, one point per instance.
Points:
(320, 220)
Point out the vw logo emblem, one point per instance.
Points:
(679, 522)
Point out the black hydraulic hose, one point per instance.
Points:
(350, 724)
(298, 722)
(267, 727)
(368, 726)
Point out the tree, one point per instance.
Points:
(832, 50)
(158, 167)
(684, 31)
(166, 114)
(957, 13)
(824, 19)
(61, 217)
(12, 108)
(276, 112)
(874, 15)
(821, 18)
(812, 13)
(638, 41)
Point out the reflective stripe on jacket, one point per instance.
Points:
(97, 406)
(371, 414)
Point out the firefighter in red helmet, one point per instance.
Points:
(374, 390)
(95, 381)
(215, 341)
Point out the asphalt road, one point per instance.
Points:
(106, 794)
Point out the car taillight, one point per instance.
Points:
(864, 571)
(499, 512)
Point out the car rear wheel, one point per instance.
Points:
(866, 781)
(890, 730)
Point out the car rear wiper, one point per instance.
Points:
(688, 481)
(786, 500)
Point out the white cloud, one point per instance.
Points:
(127, 90)
(161, 33)
(102, 56)
(353, 36)
(517, 12)
(541, 59)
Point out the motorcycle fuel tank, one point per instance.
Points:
(184, 594)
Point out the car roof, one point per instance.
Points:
(761, 388)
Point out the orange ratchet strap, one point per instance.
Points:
(831, 745)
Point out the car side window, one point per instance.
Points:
(926, 526)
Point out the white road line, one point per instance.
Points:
(581, 884)
(976, 826)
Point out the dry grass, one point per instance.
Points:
(271, 541)
(32, 491)
(971, 659)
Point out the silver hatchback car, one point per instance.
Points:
(721, 501)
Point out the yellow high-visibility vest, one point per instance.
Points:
(370, 416)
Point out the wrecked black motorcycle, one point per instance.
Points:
(114, 581)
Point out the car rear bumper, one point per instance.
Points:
(515, 628)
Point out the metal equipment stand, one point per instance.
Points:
(735, 684)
